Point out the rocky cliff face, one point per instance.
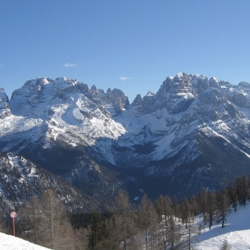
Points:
(4, 104)
(193, 133)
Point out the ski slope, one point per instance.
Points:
(8, 242)
(236, 232)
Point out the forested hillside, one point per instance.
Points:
(163, 224)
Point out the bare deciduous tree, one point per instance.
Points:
(148, 221)
(57, 231)
(30, 218)
(122, 225)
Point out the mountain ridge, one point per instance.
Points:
(160, 142)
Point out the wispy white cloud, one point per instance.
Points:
(67, 65)
(125, 78)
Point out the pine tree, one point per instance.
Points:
(211, 203)
(242, 189)
(223, 205)
(175, 207)
(234, 200)
(98, 232)
(194, 206)
(230, 191)
(160, 207)
(203, 204)
(185, 211)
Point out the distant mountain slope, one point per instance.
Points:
(20, 179)
(193, 133)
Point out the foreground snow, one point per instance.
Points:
(236, 232)
(8, 242)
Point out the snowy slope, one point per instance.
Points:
(67, 107)
(184, 105)
(236, 232)
(8, 242)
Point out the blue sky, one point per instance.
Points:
(132, 45)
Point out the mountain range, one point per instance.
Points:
(192, 134)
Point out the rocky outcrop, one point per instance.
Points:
(20, 179)
(4, 104)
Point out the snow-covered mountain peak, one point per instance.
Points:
(188, 117)
(38, 96)
(180, 75)
(46, 85)
(213, 79)
(150, 94)
(69, 110)
(61, 79)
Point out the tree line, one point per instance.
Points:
(163, 224)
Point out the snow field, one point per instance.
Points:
(236, 232)
(8, 242)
